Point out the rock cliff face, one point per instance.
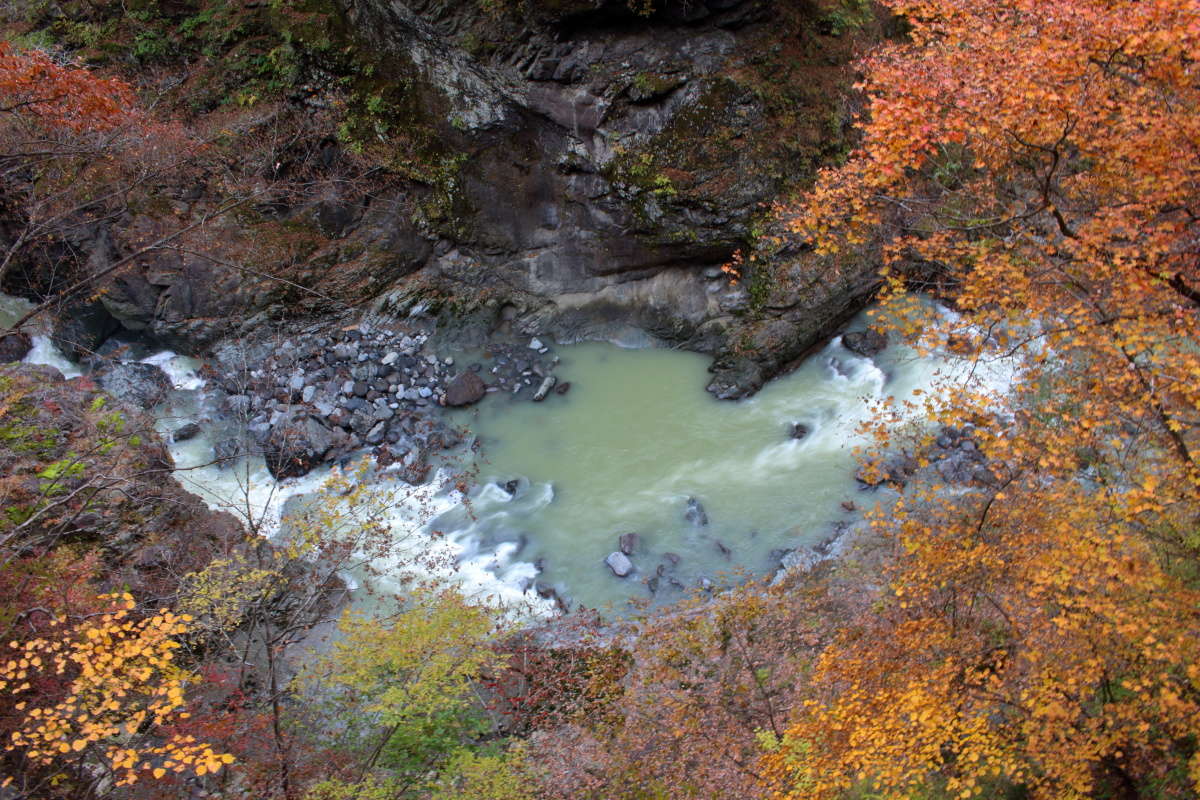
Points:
(580, 170)
(616, 161)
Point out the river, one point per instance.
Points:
(633, 445)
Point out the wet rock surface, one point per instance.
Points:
(305, 399)
(619, 563)
(14, 347)
(134, 383)
(866, 343)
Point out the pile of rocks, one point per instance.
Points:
(317, 398)
(513, 368)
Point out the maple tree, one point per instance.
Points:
(1040, 632)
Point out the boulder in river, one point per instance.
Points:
(628, 542)
(544, 389)
(619, 563)
(695, 513)
(798, 430)
(185, 432)
(297, 444)
(466, 389)
(866, 343)
(136, 384)
(14, 347)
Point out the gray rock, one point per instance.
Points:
(383, 412)
(362, 421)
(544, 389)
(140, 385)
(14, 347)
(695, 513)
(185, 432)
(297, 443)
(628, 542)
(296, 383)
(389, 358)
(425, 392)
(619, 563)
(377, 433)
(259, 430)
(535, 344)
(308, 394)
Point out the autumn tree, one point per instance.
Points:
(118, 685)
(1038, 634)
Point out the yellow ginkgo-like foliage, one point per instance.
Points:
(119, 682)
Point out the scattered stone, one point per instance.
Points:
(543, 390)
(652, 584)
(512, 486)
(723, 549)
(376, 434)
(619, 563)
(389, 358)
(628, 542)
(563, 387)
(535, 344)
(798, 430)
(466, 389)
(695, 513)
(848, 505)
(186, 432)
(308, 394)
